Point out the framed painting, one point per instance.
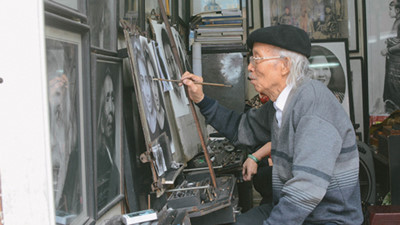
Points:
(383, 58)
(102, 16)
(107, 128)
(330, 62)
(67, 60)
(320, 19)
(357, 72)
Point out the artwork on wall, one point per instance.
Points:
(102, 19)
(382, 39)
(64, 74)
(107, 114)
(319, 18)
(330, 62)
(215, 5)
(178, 95)
(226, 68)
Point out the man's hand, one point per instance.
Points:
(195, 91)
(249, 169)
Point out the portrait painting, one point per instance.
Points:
(225, 68)
(149, 91)
(162, 69)
(383, 66)
(103, 23)
(320, 19)
(107, 95)
(329, 62)
(178, 95)
(160, 149)
(63, 54)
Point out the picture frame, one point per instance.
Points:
(357, 68)
(334, 56)
(381, 38)
(319, 20)
(354, 43)
(102, 17)
(214, 5)
(250, 13)
(106, 80)
(67, 60)
(129, 10)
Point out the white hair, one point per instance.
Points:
(299, 67)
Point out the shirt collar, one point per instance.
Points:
(280, 102)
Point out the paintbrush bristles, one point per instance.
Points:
(201, 83)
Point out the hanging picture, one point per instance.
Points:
(107, 114)
(64, 76)
(102, 18)
(383, 64)
(320, 19)
(330, 62)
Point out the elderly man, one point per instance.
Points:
(314, 151)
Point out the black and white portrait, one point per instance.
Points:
(383, 64)
(161, 153)
(178, 95)
(63, 72)
(151, 95)
(102, 18)
(162, 69)
(329, 64)
(225, 68)
(108, 131)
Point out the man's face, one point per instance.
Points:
(170, 61)
(322, 70)
(153, 85)
(144, 80)
(109, 106)
(267, 76)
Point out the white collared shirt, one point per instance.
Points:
(280, 102)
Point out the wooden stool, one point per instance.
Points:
(384, 215)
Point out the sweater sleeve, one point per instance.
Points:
(317, 146)
(252, 128)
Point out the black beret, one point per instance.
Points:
(283, 36)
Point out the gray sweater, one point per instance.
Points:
(315, 172)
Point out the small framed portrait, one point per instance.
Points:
(107, 126)
(330, 63)
(382, 40)
(318, 18)
(102, 17)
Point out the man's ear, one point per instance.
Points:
(286, 64)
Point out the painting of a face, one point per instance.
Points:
(322, 70)
(109, 106)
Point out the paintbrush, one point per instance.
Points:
(201, 83)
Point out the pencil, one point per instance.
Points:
(201, 83)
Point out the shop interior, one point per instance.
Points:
(106, 135)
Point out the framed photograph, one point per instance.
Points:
(102, 16)
(330, 62)
(383, 57)
(357, 72)
(321, 19)
(250, 13)
(107, 126)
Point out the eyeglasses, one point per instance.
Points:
(253, 59)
